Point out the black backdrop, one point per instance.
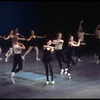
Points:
(50, 17)
(65, 16)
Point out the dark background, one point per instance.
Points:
(21, 14)
(50, 17)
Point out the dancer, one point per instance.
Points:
(10, 51)
(33, 44)
(59, 54)
(10, 37)
(17, 47)
(81, 34)
(71, 53)
(47, 60)
(97, 38)
(18, 35)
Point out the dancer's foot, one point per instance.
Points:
(47, 82)
(6, 55)
(0, 58)
(79, 60)
(12, 74)
(12, 80)
(69, 76)
(53, 82)
(23, 57)
(62, 70)
(97, 61)
(6, 60)
(37, 59)
(66, 70)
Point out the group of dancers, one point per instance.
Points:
(49, 48)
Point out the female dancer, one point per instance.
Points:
(10, 51)
(33, 44)
(18, 34)
(58, 51)
(81, 34)
(47, 60)
(17, 47)
(10, 37)
(71, 53)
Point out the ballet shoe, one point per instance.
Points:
(37, 59)
(6, 55)
(47, 82)
(69, 76)
(62, 70)
(6, 60)
(53, 82)
(79, 60)
(12, 80)
(98, 61)
(0, 58)
(12, 74)
(23, 58)
(66, 70)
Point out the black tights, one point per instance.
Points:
(60, 57)
(71, 59)
(17, 60)
(79, 51)
(50, 68)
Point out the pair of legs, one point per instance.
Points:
(29, 49)
(8, 54)
(71, 59)
(46, 65)
(0, 52)
(17, 61)
(60, 58)
(79, 52)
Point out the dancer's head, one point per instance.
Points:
(98, 27)
(81, 29)
(48, 42)
(16, 30)
(15, 39)
(11, 32)
(71, 38)
(59, 35)
(32, 32)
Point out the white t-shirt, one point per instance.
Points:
(58, 46)
(17, 49)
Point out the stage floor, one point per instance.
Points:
(30, 82)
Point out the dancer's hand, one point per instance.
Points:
(3, 37)
(83, 43)
(52, 50)
(79, 40)
(45, 36)
(26, 39)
